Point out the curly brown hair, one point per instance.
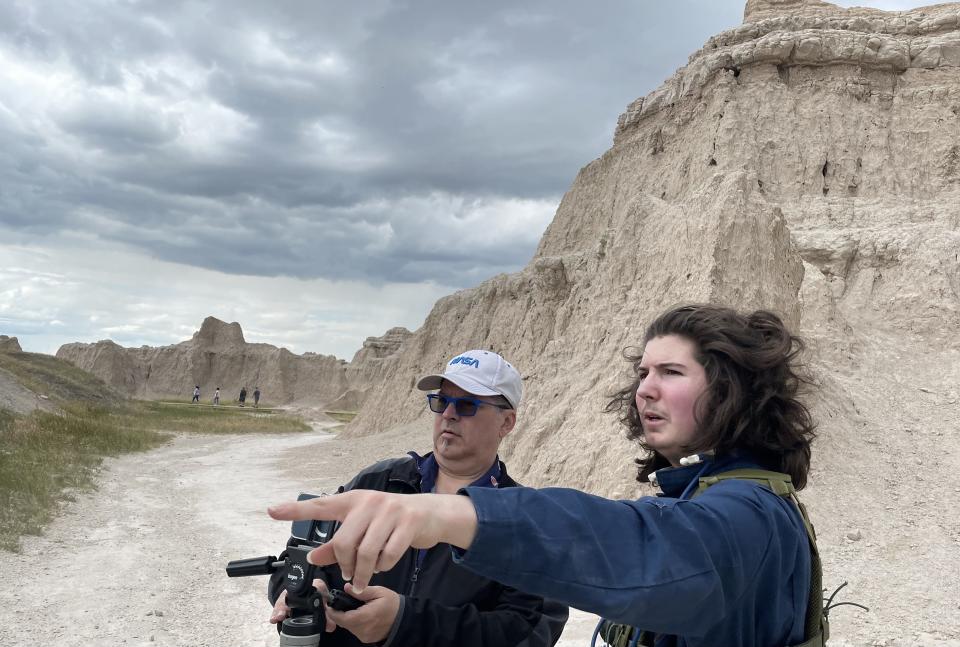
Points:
(754, 380)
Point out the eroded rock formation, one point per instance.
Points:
(9, 345)
(807, 161)
(218, 355)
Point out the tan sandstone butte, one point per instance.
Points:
(218, 355)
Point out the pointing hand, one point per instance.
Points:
(378, 527)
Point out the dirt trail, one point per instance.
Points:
(141, 561)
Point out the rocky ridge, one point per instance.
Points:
(820, 187)
(9, 345)
(807, 162)
(218, 355)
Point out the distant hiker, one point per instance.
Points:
(196, 394)
(723, 558)
(256, 396)
(216, 397)
(243, 395)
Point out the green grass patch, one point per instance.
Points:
(45, 457)
(181, 416)
(342, 416)
(58, 380)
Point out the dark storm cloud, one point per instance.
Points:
(382, 141)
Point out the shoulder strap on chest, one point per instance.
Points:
(778, 482)
(816, 628)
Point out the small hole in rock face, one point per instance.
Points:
(784, 73)
(689, 275)
(712, 162)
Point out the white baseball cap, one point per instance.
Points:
(480, 372)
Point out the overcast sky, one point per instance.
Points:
(318, 171)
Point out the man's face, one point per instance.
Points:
(672, 381)
(468, 444)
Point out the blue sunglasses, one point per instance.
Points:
(464, 407)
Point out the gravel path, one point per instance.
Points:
(141, 561)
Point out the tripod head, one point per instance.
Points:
(304, 627)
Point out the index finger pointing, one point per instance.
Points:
(324, 508)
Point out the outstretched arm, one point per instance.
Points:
(663, 564)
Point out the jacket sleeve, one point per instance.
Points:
(518, 620)
(667, 565)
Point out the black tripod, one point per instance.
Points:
(304, 627)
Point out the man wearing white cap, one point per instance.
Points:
(427, 599)
(476, 401)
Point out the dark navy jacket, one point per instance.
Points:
(443, 604)
(730, 568)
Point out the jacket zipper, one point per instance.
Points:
(417, 564)
(413, 581)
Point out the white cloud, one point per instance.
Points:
(135, 300)
(368, 144)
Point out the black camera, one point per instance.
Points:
(304, 627)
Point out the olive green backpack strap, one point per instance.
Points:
(620, 635)
(816, 628)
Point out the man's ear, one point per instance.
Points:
(509, 421)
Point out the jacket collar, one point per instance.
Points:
(428, 468)
(675, 482)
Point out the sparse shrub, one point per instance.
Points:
(45, 458)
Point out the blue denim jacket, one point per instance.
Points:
(730, 568)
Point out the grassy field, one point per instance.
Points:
(182, 416)
(46, 458)
(342, 416)
(58, 380)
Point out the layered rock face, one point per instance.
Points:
(806, 162)
(9, 345)
(218, 355)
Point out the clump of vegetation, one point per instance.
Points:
(342, 416)
(44, 457)
(47, 457)
(180, 416)
(60, 381)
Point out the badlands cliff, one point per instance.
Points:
(807, 161)
(218, 355)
